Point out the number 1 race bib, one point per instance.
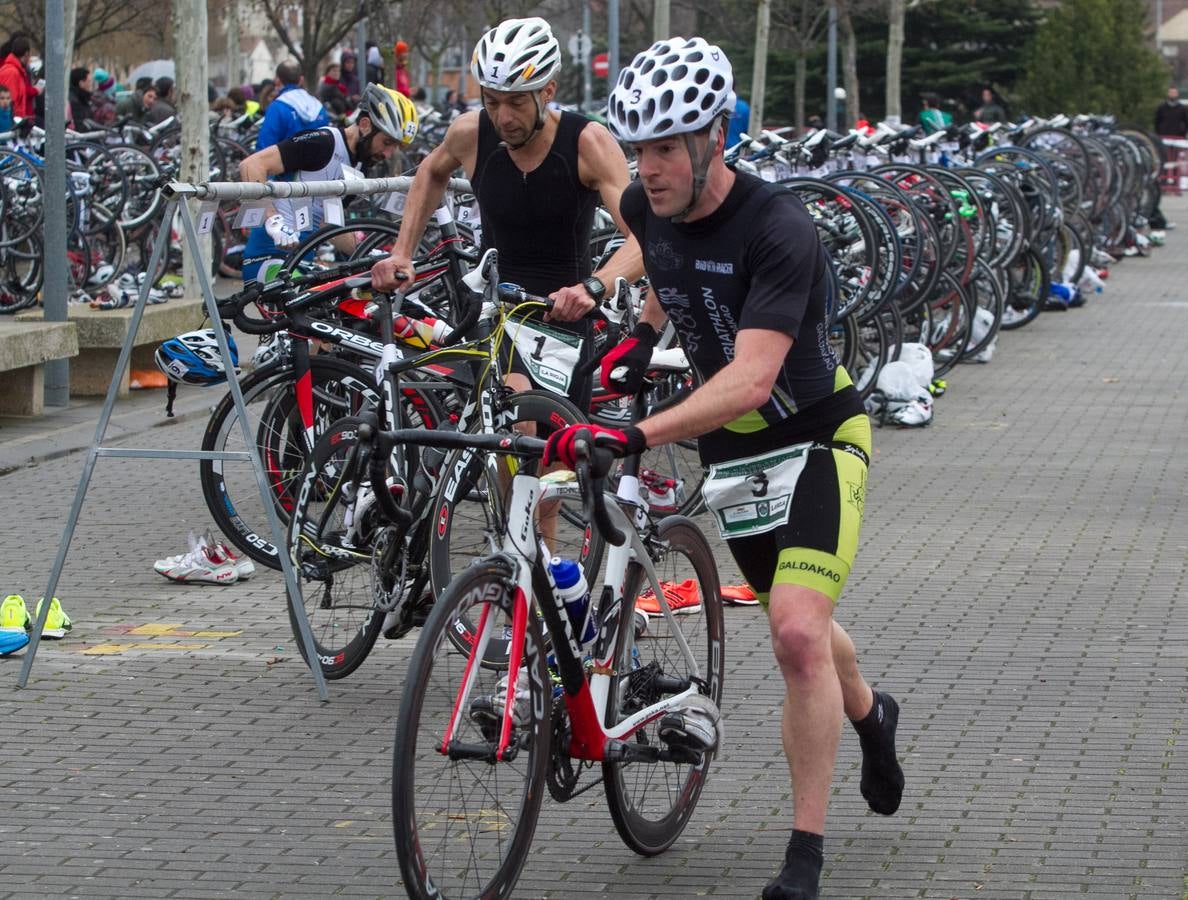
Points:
(754, 495)
(549, 354)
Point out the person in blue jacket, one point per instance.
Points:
(293, 109)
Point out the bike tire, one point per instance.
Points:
(650, 811)
(336, 590)
(437, 841)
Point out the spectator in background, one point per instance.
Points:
(266, 94)
(130, 104)
(350, 77)
(331, 90)
(292, 109)
(103, 97)
(375, 64)
(1171, 116)
(403, 80)
(452, 104)
(162, 108)
(79, 98)
(5, 109)
(932, 117)
(991, 110)
(14, 75)
(740, 121)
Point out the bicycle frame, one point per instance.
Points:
(585, 698)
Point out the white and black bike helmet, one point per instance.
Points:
(676, 87)
(518, 55)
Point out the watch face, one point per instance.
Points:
(595, 287)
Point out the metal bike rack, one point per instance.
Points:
(176, 194)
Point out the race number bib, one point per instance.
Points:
(549, 354)
(754, 495)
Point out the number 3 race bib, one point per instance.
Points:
(754, 495)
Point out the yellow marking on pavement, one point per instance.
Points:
(114, 649)
(216, 634)
(155, 628)
(344, 824)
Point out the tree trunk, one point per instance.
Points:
(234, 54)
(759, 73)
(849, 65)
(189, 41)
(70, 9)
(801, 77)
(895, 16)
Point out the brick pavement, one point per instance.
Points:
(1018, 588)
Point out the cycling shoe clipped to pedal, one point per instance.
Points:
(692, 729)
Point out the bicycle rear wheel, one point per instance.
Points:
(651, 803)
(463, 822)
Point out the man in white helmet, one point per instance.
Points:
(736, 265)
(538, 174)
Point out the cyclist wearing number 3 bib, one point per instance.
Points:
(537, 174)
(736, 264)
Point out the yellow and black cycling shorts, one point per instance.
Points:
(816, 547)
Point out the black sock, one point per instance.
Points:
(799, 878)
(882, 777)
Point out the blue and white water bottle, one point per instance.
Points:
(575, 593)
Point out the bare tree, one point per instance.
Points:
(323, 25)
(95, 18)
(803, 22)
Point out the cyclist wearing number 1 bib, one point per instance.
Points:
(736, 265)
(537, 174)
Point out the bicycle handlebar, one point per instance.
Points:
(593, 464)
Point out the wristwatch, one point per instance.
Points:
(595, 288)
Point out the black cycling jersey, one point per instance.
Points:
(755, 262)
(311, 151)
(540, 221)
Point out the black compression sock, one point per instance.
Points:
(799, 878)
(882, 777)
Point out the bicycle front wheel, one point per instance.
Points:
(651, 803)
(463, 821)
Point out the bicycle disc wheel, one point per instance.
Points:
(463, 822)
(232, 495)
(651, 803)
(468, 518)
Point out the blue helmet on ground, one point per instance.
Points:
(193, 358)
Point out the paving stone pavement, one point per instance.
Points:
(1019, 588)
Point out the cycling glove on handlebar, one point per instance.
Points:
(622, 442)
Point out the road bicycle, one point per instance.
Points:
(502, 702)
(373, 549)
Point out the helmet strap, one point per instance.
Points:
(700, 163)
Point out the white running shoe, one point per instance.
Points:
(200, 565)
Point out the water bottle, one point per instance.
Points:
(430, 461)
(575, 593)
(420, 333)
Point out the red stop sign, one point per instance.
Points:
(600, 64)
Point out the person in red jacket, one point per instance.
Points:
(14, 75)
(403, 82)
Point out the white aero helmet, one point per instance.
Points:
(516, 55)
(676, 86)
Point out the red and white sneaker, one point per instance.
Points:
(201, 565)
(683, 598)
(659, 492)
(244, 567)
